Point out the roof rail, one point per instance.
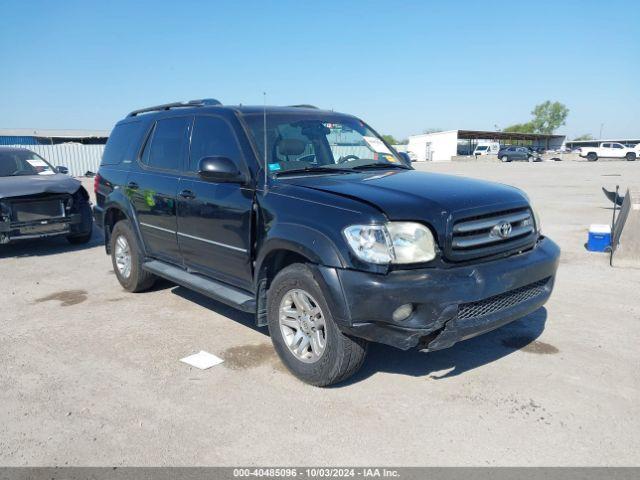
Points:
(205, 102)
(304, 106)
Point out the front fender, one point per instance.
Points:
(306, 241)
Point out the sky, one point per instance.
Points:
(402, 66)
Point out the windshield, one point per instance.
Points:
(481, 148)
(15, 163)
(303, 142)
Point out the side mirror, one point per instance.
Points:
(405, 156)
(219, 169)
(63, 170)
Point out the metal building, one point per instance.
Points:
(78, 150)
(443, 146)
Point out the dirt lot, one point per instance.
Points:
(89, 374)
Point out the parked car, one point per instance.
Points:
(329, 246)
(38, 200)
(412, 156)
(510, 153)
(608, 150)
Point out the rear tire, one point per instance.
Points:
(340, 356)
(631, 157)
(127, 260)
(504, 159)
(592, 156)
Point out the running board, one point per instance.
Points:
(226, 294)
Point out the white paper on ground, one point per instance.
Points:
(202, 360)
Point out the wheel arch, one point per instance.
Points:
(278, 253)
(113, 213)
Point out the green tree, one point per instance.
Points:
(547, 117)
(586, 136)
(520, 128)
(390, 139)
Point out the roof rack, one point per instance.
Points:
(304, 106)
(204, 102)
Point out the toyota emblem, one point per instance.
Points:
(502, 230)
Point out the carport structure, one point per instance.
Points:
(442, 146)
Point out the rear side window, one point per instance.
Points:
(121, 143)
(213, 137)
(168, 144)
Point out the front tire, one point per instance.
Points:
(504, 159)
(631, 157)
(304, 333)
(126, 259)
(79, 239)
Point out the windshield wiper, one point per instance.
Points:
(313, 170)
(380, 165)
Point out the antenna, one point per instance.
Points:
(264, 121)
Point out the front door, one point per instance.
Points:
(214, 219)
(153, 184)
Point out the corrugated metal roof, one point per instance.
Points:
(38, 132)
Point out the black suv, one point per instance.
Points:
(509, 153)
(336, 243)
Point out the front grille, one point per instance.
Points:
(502, 301)
(33, 210)
(492, 233)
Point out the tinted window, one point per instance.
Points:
(617, 145)
(168, 143)
(120, 142)
(213, 137)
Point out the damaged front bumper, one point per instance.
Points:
(68, 225)
(450, 304)
(10, 231)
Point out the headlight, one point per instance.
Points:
(536, 218)
(5, 211)
(395, 242)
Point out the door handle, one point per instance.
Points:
(187, 194)
(133, 185)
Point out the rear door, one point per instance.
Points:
(618, 150)
(522, 153)
(153, 184)
(214, 219)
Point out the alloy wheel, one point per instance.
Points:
(303, 325)
(123, 257)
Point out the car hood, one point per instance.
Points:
(413, 195)
(37, 184)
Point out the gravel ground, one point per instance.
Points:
(89, 374)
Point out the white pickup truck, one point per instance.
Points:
(609, 150)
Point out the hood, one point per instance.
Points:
(413, 195)
(37, 184)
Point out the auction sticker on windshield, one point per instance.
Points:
(40, 165)
(377, 145)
